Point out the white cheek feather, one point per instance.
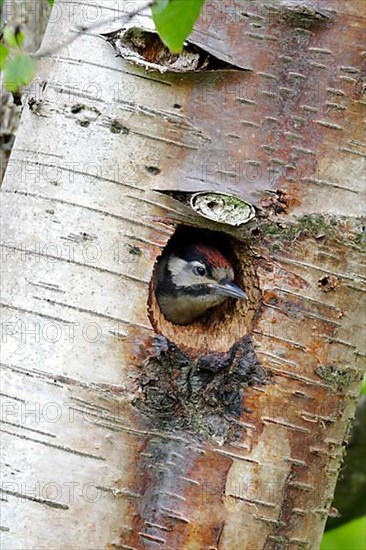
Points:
(176, 266)
(182, 273)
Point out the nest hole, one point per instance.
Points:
(224, 325)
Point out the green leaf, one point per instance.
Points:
(174, 20)
(13, 37)
(4, 52)
(19, 37)
(350, 536)
(18, 71)
(51, 2)
(363, 387)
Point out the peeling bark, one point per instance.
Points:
(123, 431)
(145, 48)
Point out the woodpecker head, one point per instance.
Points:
(192, 279)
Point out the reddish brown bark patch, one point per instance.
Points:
(176, 480)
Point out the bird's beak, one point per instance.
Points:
(231, 290)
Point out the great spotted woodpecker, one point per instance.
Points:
(192, 279)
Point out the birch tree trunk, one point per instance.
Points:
(120, 429)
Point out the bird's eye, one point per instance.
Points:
(199, 270)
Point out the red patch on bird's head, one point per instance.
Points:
(213, 257)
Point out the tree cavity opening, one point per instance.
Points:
(224, 325)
